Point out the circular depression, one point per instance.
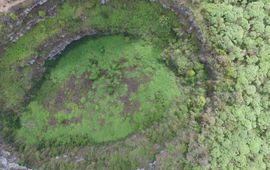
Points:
(105, 93)
(101, 89)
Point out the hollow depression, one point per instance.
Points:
(101, 89)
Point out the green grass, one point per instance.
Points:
(101, 102)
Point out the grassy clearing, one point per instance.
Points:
(101, 90)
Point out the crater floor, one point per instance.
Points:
(100, 90)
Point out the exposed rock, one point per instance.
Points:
(36, 3)
(7, 160)
(14, 36)
(104, 1)
(3, 163)
(152, 165)
(27, 18)
(63, 41)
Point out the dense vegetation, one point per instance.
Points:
(239, 138)
(236, 131)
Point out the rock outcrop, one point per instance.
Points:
(7, 160)
(104, 1)
(26, 18)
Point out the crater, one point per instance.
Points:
(114, 99)
(101, 89)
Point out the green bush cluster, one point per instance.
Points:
(239, 34)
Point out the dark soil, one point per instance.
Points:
(72, 90)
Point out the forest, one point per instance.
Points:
(119, 84)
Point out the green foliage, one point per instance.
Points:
(42, 13)
(13, 16)
(238, 140)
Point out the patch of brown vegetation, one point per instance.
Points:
(131, 107)
(102, 122)
(71, 91)
(55, 103)
(2, 50)
(74, 120)
(71, 83)
(52, 121)
(85, 81)
(133, 84)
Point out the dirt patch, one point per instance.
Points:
(71, 83)
(2, 49)
(5, 5)
(52, 121)
(102, 122)
(59, 100)
(85, 81)
(72, 91)
(133, 84)
(73, 120)
(132, 106)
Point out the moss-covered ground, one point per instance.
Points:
(102, 89)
